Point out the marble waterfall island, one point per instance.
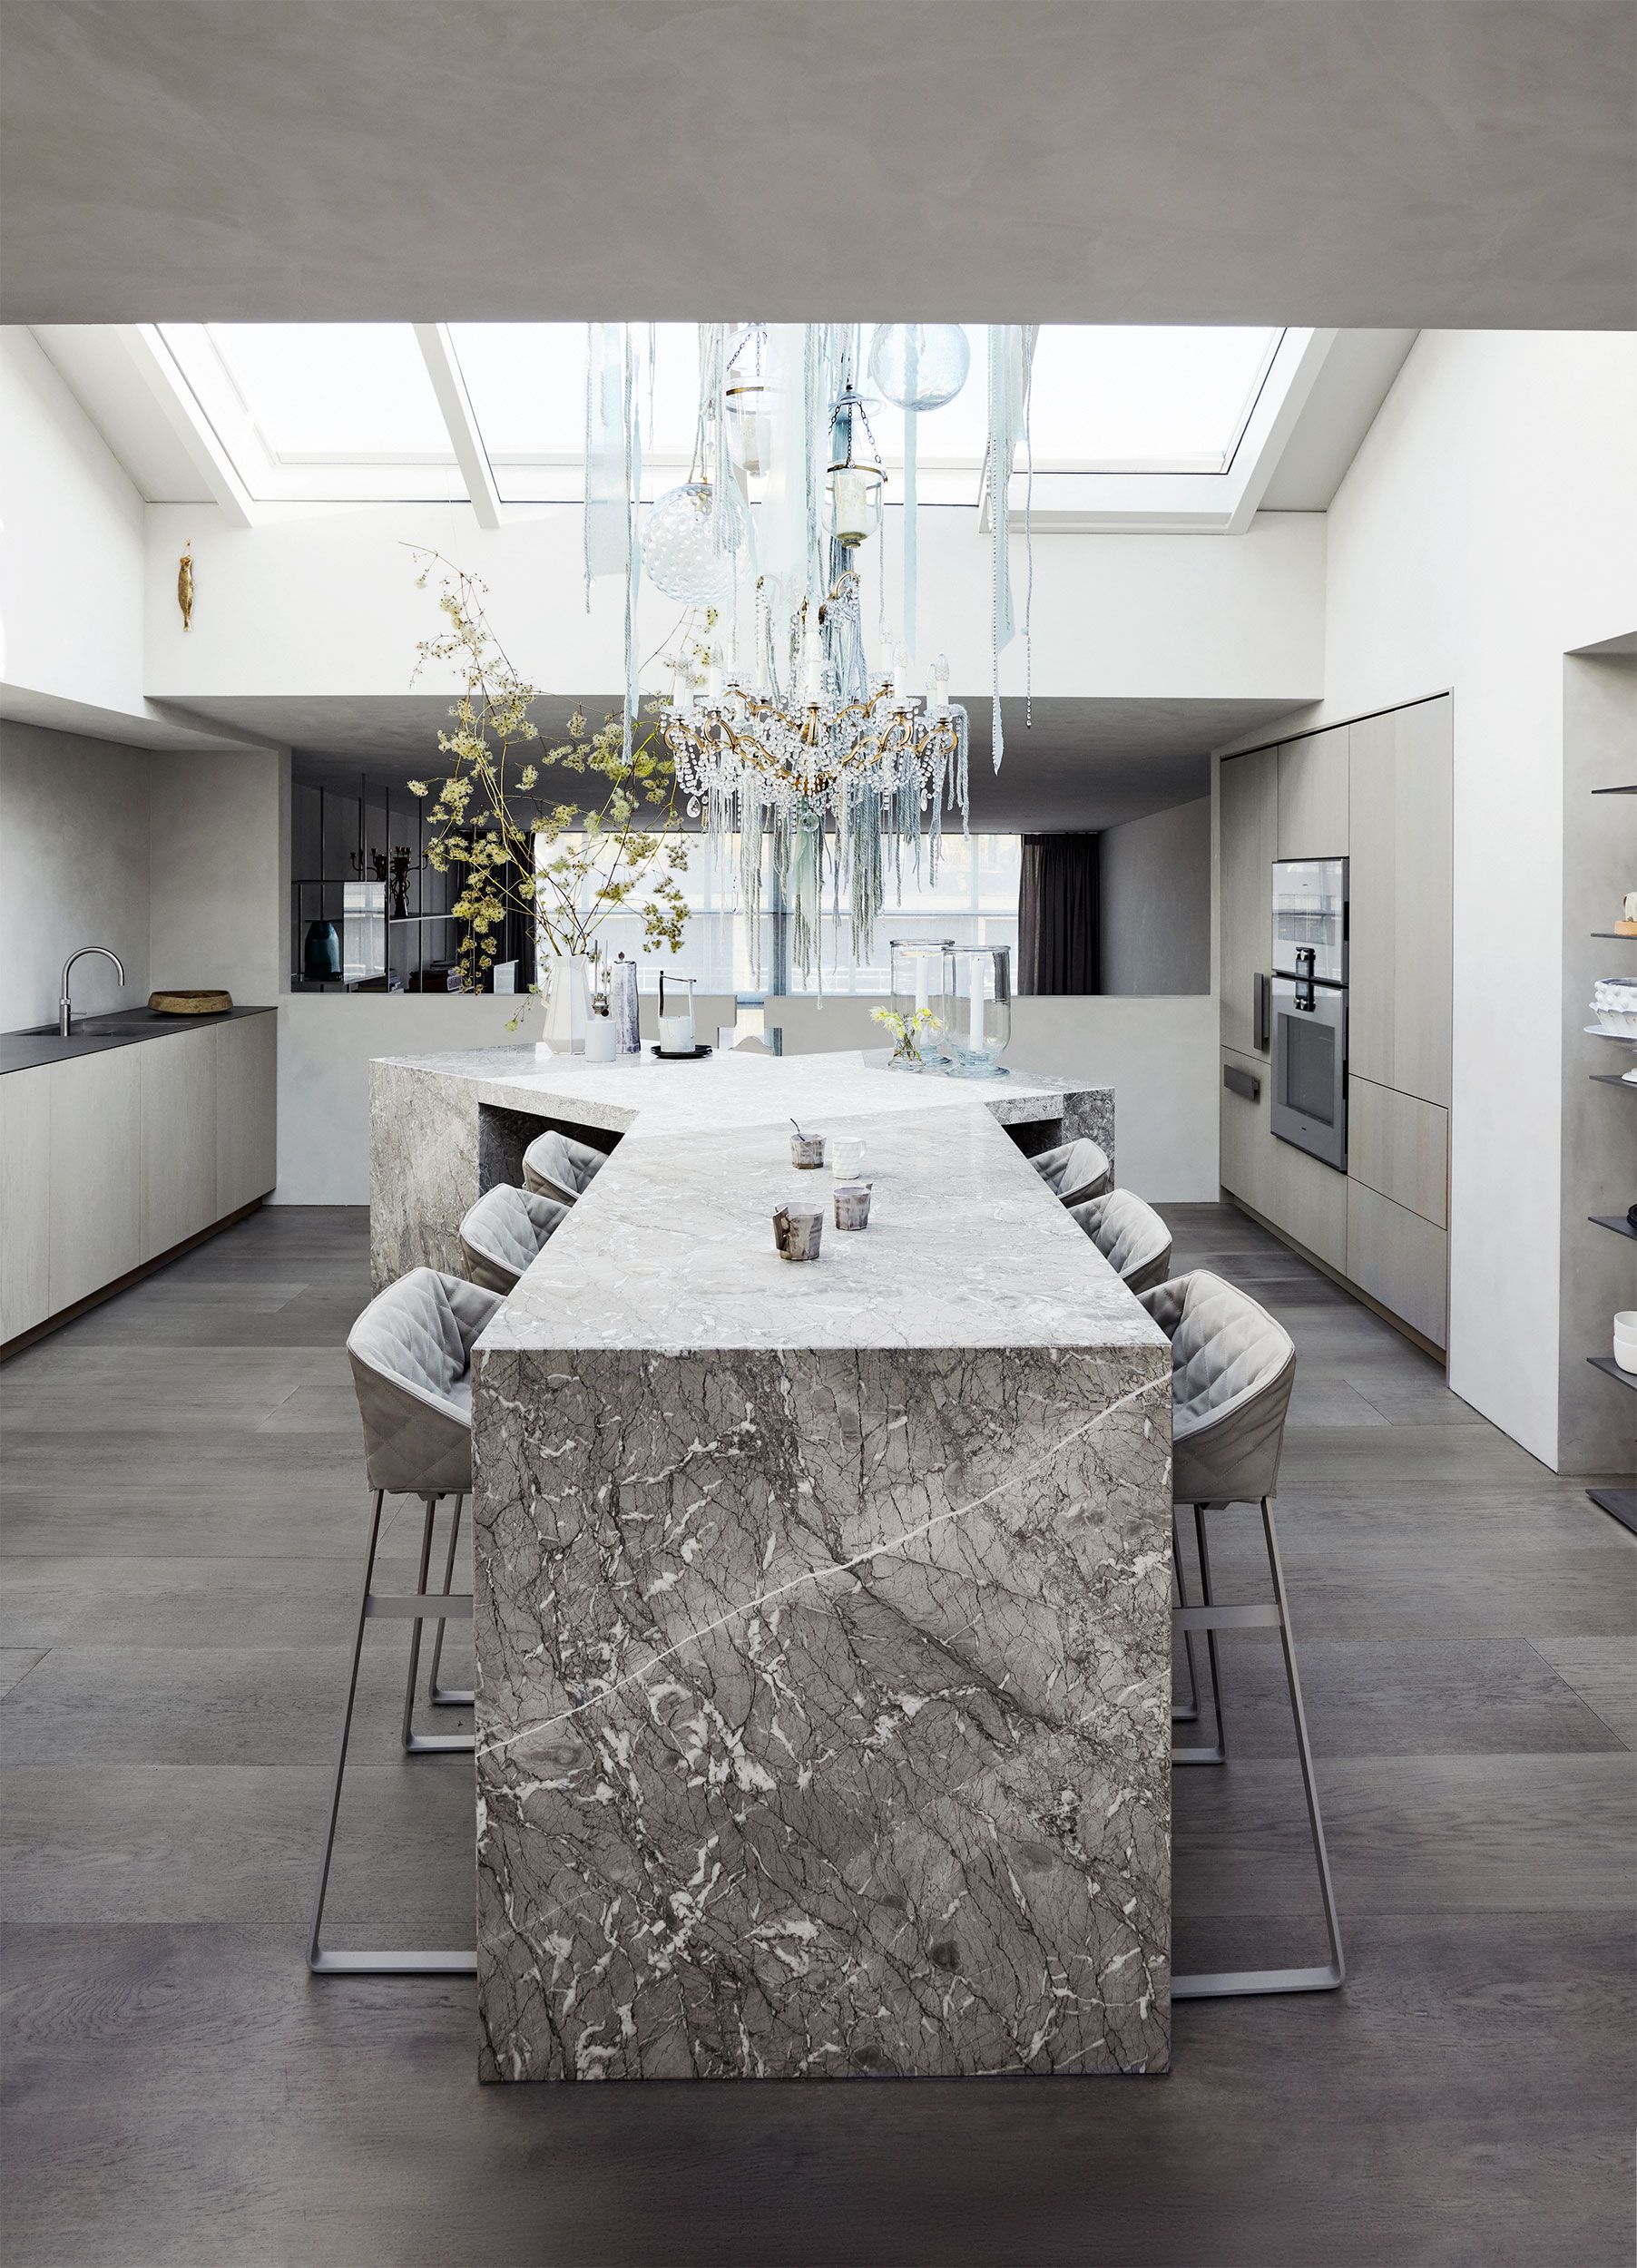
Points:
(822, 1611)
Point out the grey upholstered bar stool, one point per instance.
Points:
(1233, 1369)
(1131, 1236)
(556, 1166)
(504, 1231)
(411, 1355)
(1075, 1171)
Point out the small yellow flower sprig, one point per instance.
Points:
(621, 845)
(904, 1030)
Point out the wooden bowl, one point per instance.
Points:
(190, 1003)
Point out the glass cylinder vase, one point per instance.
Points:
(980, 1024)
(923, 998)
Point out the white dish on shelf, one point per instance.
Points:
(1596, 1032)
(1620, 1021)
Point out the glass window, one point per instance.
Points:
(326, 393)
(1106, 398)
(974, 901)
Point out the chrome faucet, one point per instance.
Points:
(65, 1009)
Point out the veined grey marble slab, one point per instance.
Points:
(424, 1151)
(823, 1712)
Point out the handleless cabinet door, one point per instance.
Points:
(246, 1112)
(96, 1171)
(1246, 1143)
(1248, 844)
(1313, 796)
(24, 1200)
(1399, 1260)
(179, 1137)
(1400, 815)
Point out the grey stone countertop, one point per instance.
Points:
(670, 1248)
(120, 1027)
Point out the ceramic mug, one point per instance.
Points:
(852, 1204)
(797, 1229)
(847, 1156)
(807, 1151)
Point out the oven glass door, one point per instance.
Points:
(1310, 918)
(1308, 1106)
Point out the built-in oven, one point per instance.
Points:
(1308, 1104)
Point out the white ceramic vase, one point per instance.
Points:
(567, 1003)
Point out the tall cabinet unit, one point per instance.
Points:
(1378, 793)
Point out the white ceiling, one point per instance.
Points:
(1354, 163)
(1082, 764)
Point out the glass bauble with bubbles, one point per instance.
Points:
(687, 544)
(919, 366)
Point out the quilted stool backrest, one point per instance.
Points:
(556, 1166)
(411, 1356)
(1075, 1171)
(1131, 1236)
(504, 1233)
(1232, 1370)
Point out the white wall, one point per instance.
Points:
(323, 602)
(1160, 1057)
(71, 561)
(1488, 526)
(73, 871)
(1153, 882)
(219, 852)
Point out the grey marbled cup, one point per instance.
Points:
(797, 1229)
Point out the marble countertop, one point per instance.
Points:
(670, 1248)
(658, 1100)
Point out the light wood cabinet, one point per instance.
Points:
(25, 1201)
(1400, 815)
(1398, 1146)
(179, 1137)
(1307, 1201)
(1399, 1260)
(109, 1160)
(1246, 1141)
(95, 1215)
(1313, 796)
(1248, 844)
(246, 1112)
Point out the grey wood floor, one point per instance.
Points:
(183, 1516)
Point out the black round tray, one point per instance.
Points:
(691, 1056)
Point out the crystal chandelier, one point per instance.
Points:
(832, 773)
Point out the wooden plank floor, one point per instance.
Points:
(183, 1516)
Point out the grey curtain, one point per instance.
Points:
(1057, 915)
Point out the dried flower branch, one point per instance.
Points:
(566, 864)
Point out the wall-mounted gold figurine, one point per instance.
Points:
(184, 587)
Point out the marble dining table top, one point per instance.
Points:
(670, 1247)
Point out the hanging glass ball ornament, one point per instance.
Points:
(688, 542)
(919, 366)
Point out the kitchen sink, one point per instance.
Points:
(107, 1027)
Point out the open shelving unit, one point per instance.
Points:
(1619, 1504)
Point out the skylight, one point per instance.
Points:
(321, 411)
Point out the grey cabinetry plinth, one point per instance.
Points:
(1399, 821)
(1248, 827)
(1313, 796)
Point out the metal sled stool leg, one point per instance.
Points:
(1233, 1369)
(410, 1352)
